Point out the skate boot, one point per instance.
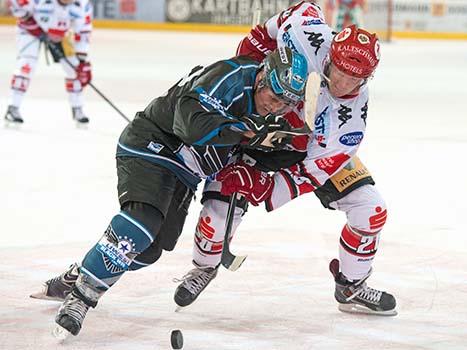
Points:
(79, 116)
(357, 297)
(70, 316)
(59, 287)
(193, 283)
(12, 115)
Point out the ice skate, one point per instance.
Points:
(357, 297)
(79, 116)
(59, 287)
(70, 316)
(13, 116)
(193, 283)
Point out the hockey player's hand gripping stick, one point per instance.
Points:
(56, 52)
(229, 260)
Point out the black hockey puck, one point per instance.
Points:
(176, 338)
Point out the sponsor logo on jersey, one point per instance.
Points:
(155, 147)
(364, 110)
(315, 40)
(283, 55)
(288, 41)
(310, 22)
(321, 132)
(351, 138)
(345, 114)
(331, 164)
(211, 101)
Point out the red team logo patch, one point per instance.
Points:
(204, 227)
(331, 164)
(26, 69)
(378, 220)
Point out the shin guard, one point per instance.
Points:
(106, 262)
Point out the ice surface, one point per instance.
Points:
(58, 193)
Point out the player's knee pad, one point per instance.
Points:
(365, 208)
(148, 257)
(19, 83)
(73, 85)
(209, 234)
(124, 239)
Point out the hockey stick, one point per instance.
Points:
(256, 17)
(27, 45)
(305, 130)
(56, 52)
(229, 260)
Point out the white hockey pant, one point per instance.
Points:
(366, 215)
(27, 56)
(209, 233)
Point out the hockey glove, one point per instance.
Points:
(32, 27)
(266, 129)
(255, 185)
(257, 44)
(84, 73)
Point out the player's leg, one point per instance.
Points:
(58, 287)
(27, 55)
(75, 89)
(170, 231)
(208, 243)
(129, 233)
(366, 215)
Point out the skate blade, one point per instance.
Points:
(43, 296)
(9, 124)
(179, 308)
(360, 309)
(60, 333)
(83, 126)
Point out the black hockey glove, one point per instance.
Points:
(267, 130)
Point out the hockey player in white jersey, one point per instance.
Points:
(345, 62)
(52, 21)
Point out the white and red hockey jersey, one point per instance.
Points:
(56, 19)
(339, 123)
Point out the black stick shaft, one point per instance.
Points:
(60, 54)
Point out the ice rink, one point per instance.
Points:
(58, 194)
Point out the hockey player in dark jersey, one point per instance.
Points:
(182, 137)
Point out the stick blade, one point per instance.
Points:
(232, 262)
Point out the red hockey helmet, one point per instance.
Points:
(355, 52)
